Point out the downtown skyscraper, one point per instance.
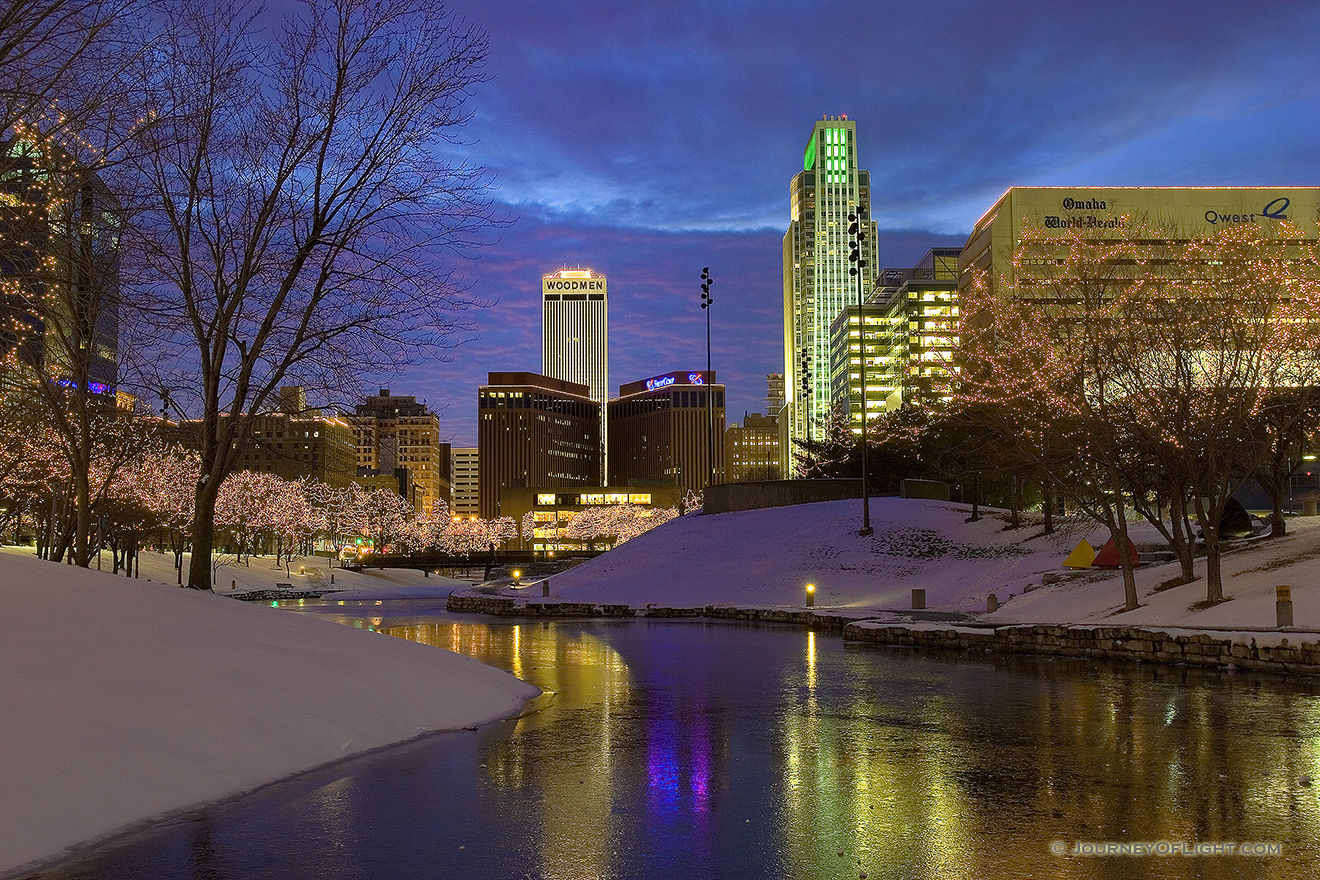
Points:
(817, 281)
(575, 335)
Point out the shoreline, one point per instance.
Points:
(1278, 651)
(141, 828)
(132, 701)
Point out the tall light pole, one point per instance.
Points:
(706, 300)
(857, 228)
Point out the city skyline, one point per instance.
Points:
(652, 142)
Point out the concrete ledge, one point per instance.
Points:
(1277, 652)
(728, 497)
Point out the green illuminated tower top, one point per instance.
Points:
(817, 282)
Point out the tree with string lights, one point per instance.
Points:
(1147, 352)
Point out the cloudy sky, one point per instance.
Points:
(649, 140)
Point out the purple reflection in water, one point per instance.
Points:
(662, 764)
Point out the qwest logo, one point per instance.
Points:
(1274, 210)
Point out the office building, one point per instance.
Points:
(817, 279)
(862, 333)
(553, 510)
(535, 430)
(1103, 213)
(399, 436)
(466, 484)
(575, 336)
(295, 443)
(774, 394)
(921, 311)
(59, 266)
(294, 447)
(751, 449)
(908, 330)
(668, 430)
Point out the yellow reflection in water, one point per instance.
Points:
(573, 765)
(811, 660)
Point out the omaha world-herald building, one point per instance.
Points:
(1108, 213)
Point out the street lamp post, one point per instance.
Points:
(857, 226)
(706, 300)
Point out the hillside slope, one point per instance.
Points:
(768, 556)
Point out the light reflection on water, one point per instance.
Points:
(676, 749)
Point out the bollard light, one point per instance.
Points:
(516, 574)
(811, 595)
(1283, 606)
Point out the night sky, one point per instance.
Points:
(647, 141)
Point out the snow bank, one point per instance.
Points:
(760, 557)
(125, 699)
(768, 556)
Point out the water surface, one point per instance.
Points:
(683, 749)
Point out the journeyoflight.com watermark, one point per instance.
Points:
(1165, 848)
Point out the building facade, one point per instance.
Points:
(293, 444)
(294, 447)
(1105, 213)
(397, 435)
(919, 330)
(553, 510)
(465, 479)
(861, 334)
(751, 449)
(818, 283)
(774, 394)
(668, 430)
(59, 270)
(534, 430)
(575, 336)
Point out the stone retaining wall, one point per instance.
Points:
(1111, 642)
(509, 606)
(1290, 654)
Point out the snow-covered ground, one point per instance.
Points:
(125, 699)
(308, 573)
(761, 557)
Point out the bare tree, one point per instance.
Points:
(1221, 327)
(59, 61)
(299, 204)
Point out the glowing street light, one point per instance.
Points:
(811, 595)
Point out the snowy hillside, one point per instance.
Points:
(768, 556)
